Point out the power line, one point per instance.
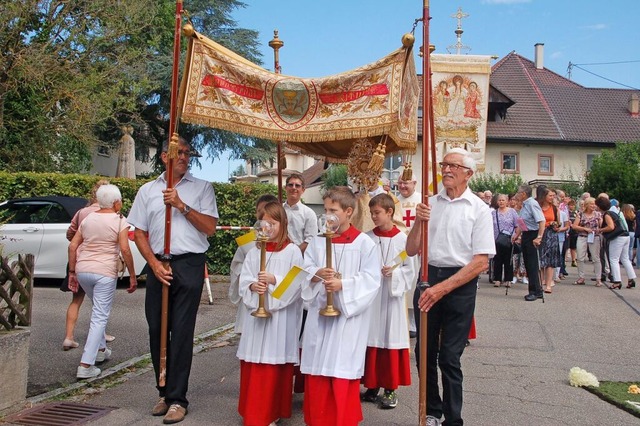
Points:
(572, 65)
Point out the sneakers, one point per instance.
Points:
(103, 355)
(175, 414)
(432, 421)
(525, 280)
(87, 372)
(161, 408)
(371, 395)
(388, 400)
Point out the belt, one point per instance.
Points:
(174, 257)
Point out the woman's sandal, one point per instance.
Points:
(631, 284)
(615, 285)
(579, 281)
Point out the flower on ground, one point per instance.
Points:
(634, 389)
(579, 377)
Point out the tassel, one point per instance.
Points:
(377, 159)
(172, 152)
(407, 173)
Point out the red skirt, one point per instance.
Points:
(331, 401)
(472, 330)
(386, 368)
(265, 392)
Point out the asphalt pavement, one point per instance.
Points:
(516, 371)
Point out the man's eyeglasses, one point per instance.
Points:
(294, 185)
(453, 167)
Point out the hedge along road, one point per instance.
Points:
(50, 367)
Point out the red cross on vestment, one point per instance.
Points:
(408, 218)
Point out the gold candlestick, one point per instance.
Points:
(328, 224)
(262, 229)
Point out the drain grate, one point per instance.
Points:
(59, 414)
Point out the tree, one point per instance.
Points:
(496, 183)
(73, 73)
(66, 68)
(334, 175)
(617, 172)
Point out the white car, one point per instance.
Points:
(38, 226)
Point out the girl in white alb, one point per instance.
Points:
(268, 348)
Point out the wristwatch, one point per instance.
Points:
(186, 210)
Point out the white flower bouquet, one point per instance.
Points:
(579, 377)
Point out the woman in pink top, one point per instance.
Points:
(76, 301)
(93, 255)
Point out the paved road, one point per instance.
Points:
(50, 367)
(515, 372)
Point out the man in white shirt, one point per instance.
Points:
(303, 222)
(460, 232)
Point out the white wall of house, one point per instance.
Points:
(536, 162)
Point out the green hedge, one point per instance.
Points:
(236, 203)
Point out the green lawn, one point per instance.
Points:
(617, 394)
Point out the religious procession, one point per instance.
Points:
(348, 309)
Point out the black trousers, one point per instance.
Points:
(184, 298)
(531, 261)
(448, 324)
(502, 264)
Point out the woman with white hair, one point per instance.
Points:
(93, 259)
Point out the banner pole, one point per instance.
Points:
(172, 155)
(428, 147)
(276, 44)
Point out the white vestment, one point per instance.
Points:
(408, 208)
(336, 346)
(271, 340)
(234, 280)
(389, 327)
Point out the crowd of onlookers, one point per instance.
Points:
(578, 232)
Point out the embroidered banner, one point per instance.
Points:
(320, 116)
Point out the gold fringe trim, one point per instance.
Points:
(407, 173)
(172, 152)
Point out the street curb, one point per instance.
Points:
(201, 342)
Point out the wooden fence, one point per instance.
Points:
(16, 289)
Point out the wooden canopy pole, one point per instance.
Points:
(172, 154)
(276, 44)
(428, 152)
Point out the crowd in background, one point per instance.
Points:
(580, 232)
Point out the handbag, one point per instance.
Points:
(503, 240)
(617, 231)
(120, 265)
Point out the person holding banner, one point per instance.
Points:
(194, 216)
(268, 348)
(460, 243)
(244, 245)
(334, 347)
(387, 362)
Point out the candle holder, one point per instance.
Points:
(328, 224)
(263, 231)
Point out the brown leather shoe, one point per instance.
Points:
(175, 414)
(161, 408)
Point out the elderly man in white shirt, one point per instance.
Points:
(303, 222)
(460, 243)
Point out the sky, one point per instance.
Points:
(327, 37)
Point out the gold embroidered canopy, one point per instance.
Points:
(319, 116)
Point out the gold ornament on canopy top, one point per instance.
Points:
(328, 225)
(263, 230)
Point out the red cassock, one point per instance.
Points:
(335, 402)
(260, 408)
(386, 368)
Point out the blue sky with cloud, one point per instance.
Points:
(330, 36)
